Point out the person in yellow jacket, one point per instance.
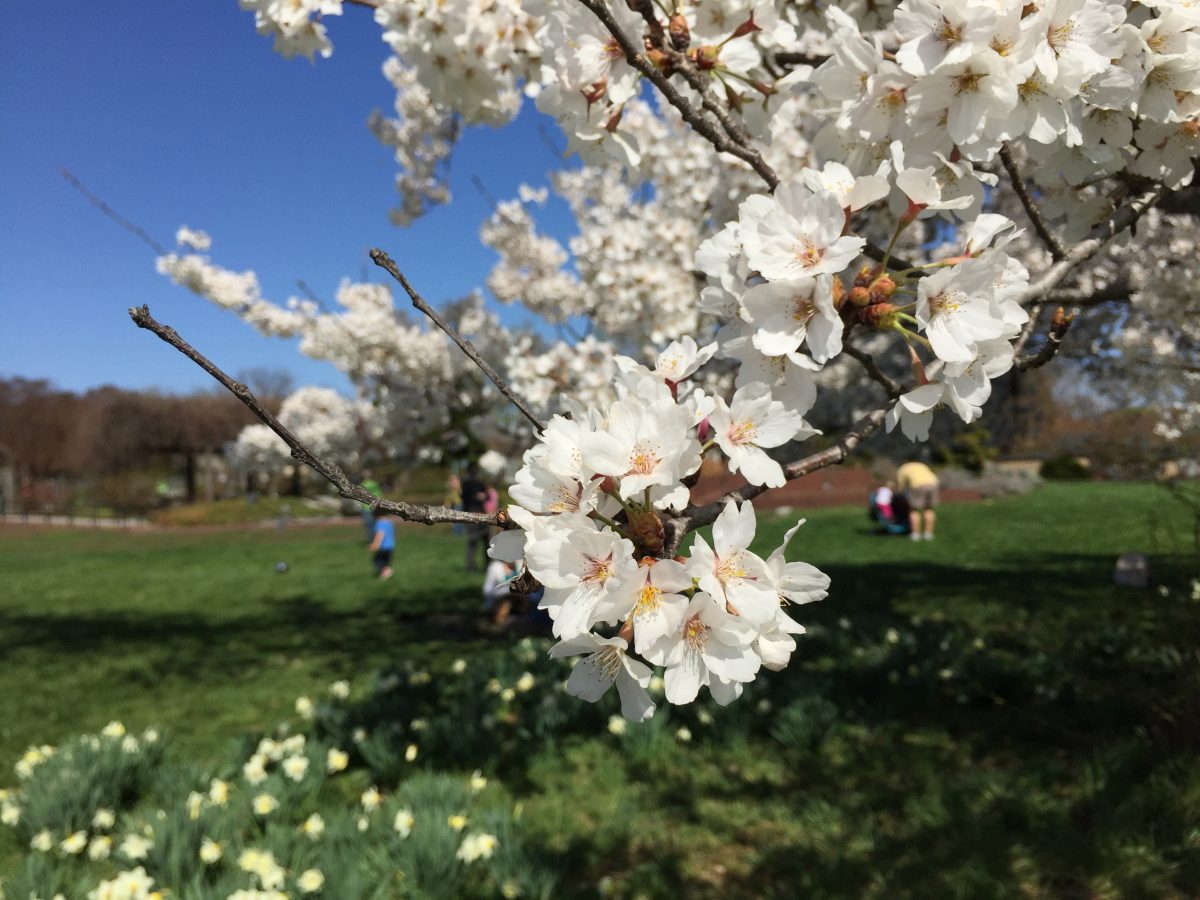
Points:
(920, 484)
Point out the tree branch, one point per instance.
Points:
(702, 125)
(410, 512)
(891, 385)
(385, 262)
(1123, 217)
(1027, 329)
(789, 59)
(133, 228)
(1116, 292)
(1051, 241)
(1059, 326)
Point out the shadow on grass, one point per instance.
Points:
(206, 648)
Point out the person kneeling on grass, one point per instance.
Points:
(383, 544)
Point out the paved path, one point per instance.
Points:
(60, 521)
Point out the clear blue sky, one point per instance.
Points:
(177, 112)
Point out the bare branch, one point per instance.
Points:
(701, 84)
(1027, 329)
(731, 137)
(136, 230)
(1123, 217)
(790, 59)
(312, 295)
(1118, 291)
(890, 384)
(699, 122)
(385, 262)
(1059, 326)
(410, 512)
(1049, 239)
(697, 517)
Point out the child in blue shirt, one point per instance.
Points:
(383, 545)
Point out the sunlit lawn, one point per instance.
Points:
(1027, 729)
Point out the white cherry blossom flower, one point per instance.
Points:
(579, 568)
(936, 35)
(682, 358)
(954, 306)
(604, 664)
(729, 572)
(660, 603)
(643, 445)
(752, 423)
(797, 233)
(786, 314)
(712, 648)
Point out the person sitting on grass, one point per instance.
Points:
(497, 593)
(383, 544)
(886, 512)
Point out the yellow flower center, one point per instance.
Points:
(803, 310)
(607, 661)
(731, 567)
(1060, 36)
(642, 461)
(564, 500)
(946, 303)
(947, 33)
(967, 82)
(808, 253)
(649, 600)
(598, 570)
(741, 432)
(695, 633)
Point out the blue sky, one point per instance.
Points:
(177, 112)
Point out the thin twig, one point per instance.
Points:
(699, 122)
(312, 295)
(791, 59)
(386, 263)
(1123, 217)
(1027, 329)
(1059, 326)
(411, 512)
(1053, 244)
(1118, 291)
(731, 137)
(891, 385)
(702, 85)
(136, 230)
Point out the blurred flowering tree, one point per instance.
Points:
(788, 214)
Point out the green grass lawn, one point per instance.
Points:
(982, 715)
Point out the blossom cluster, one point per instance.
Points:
(589, 498)
(295, 25)
(1088, 87)
(776, 273)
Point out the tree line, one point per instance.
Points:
(49, 432)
